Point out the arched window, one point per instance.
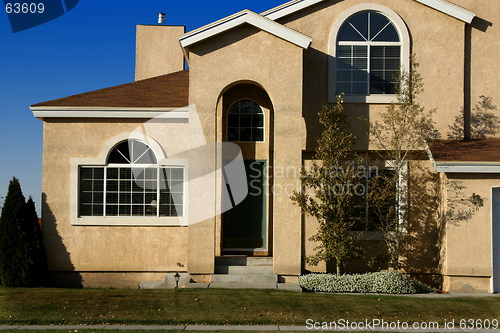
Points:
(245, 122)
(369, 45)
(131, 184)
(368, 55)
(132, 152)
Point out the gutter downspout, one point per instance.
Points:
(467, 81)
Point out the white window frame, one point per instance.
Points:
(101, 161)
(136, 166)
(403, 199)
(263, 122)
(404, 38)
(403, 195)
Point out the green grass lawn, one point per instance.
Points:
(83, 330)
(144, 331)
(43, 306)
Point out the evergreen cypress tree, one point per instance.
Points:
(11, 220)
(36, 261)
(22, 255)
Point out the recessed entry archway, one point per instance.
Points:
(245, 118)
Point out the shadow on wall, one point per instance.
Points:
(425, 227)
(315, 96)
(483, 121)
(61, 271)
(373, 249)
(460, 209)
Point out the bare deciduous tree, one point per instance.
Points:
(403, 130)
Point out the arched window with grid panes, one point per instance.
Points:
(369, 44)
(368, 55)
(131, 184)
(245, 122)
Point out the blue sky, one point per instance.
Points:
(90, 47)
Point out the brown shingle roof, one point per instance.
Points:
(170, 90)
(486, 150)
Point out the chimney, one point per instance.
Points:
(161, 18)
(158, 50)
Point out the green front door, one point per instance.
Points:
(244, 226)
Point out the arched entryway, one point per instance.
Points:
(245, 118)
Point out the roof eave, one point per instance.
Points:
(248, 17)
(288, 8)
(448, 8)
(42, 112)
(463, 166)
(443, 6)
(266, 19)
(467, 167)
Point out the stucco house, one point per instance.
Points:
(148, 178)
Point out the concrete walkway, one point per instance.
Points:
(75, 328)
(296, 287)
(156, 327)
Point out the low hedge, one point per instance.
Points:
(383, 282)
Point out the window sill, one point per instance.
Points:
(370, 99)
(246, 142)
(130, 221)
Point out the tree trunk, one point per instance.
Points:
(396, 259)
(398, 217)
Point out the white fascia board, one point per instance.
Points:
(443, 6)
(96, 112)
(212, 29)
(440, 5)
(279, 30)
(467, 167)
(240, 18)
(448, 8)
(288, 8)
(463, 167)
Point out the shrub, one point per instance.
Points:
(383, 282)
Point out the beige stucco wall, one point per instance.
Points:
(246, 54)
(468, 231)
(436, 39)
(158, 50)
(439, 42)
(296, 82)
(96, 248)
(484, 41)
(422, 255)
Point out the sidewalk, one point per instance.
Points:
(74, 328)
(157, 327)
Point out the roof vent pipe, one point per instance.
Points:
(161, 18)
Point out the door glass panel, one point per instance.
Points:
(244, 226)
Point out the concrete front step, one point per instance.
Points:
(243, 261)
(282, 286)
(243, 269)
(243, 278)
(250, 270)
(259, 261)
(243, 286)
